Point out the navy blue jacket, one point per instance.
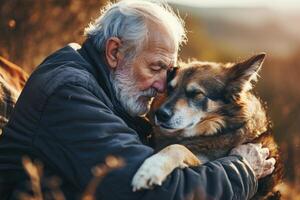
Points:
(68, 118)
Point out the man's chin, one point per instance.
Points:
(146, 100)
(144, 105)
(139, 107)
(139, 112)
(144, 112)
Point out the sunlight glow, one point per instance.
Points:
(280, 4)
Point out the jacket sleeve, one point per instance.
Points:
(78, 131)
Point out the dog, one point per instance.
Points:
(12, 81)
(208, 109)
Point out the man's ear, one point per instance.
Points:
(112, 52)
(240, 75)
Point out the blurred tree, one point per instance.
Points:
(32, 29)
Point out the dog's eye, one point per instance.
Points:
(194, 93)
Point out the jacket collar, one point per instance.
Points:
(98, 67)
(101, 72)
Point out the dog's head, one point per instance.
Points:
(196, 91)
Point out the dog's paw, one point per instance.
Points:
(152, 172)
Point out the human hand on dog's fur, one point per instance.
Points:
(257, 158)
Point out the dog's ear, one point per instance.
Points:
(241, 75)
(172, 73)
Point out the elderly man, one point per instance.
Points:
(82, 105)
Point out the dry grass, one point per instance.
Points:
(289, 191)
(34, 170)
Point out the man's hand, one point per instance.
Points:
(257, 158)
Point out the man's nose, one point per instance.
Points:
(160, 83)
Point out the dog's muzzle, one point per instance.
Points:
(163, 115)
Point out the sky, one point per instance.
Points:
(279, 4)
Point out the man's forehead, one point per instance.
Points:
(167, 48)
(162, 42)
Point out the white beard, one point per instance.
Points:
(135, 102)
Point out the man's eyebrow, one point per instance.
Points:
(162, 65)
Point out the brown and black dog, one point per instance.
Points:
(208, 109)
(12, 81)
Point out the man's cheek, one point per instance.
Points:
(144, 83)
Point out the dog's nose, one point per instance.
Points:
(163, 115)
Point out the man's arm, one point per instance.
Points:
(77, 131)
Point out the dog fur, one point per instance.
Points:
(209, 109)
(12, 81)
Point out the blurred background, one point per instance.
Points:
(218, 30)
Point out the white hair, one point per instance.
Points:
(128, 19)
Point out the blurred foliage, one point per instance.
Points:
(32, 29)
(200, 46)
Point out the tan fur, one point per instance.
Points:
(178, 153)
(209, 126)
(12, 80)
(181, 103)
(13, 74)
(174, 82)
